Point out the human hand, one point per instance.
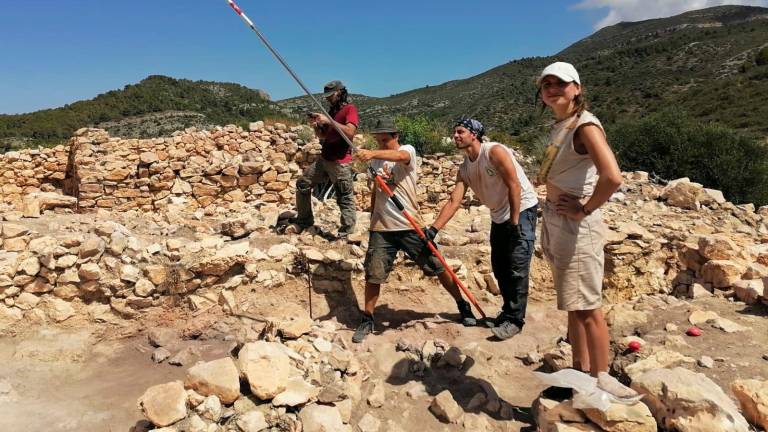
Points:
(570, 207)
(515, 229)
(364, 154)
(430, 233)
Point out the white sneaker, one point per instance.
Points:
(619, 391)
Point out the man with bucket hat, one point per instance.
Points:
(390, 231)
(334, 162)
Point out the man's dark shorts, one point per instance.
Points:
(382, 251)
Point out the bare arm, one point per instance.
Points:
(503, 163)
(349, 129)
(401, 156)
(609, 176)
(323, 124)
(452, 205)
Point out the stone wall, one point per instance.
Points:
(192, 168)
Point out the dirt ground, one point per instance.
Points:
(84, 375)
(88, 376)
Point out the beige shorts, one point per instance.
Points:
(575, 253)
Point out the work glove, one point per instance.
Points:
(430, 233)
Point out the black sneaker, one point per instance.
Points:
(467, 317)
(505, 329)
(364, 329)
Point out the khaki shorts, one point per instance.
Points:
(574, 250)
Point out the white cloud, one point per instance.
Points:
(638, 10)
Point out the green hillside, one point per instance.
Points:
(706, 62)
(155, 106)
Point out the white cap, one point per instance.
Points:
(564, 71)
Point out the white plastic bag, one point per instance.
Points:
(586, 392)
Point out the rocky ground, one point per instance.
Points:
(206, 319)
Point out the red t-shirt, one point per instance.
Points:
(335, 149)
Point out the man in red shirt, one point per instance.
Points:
(334, 163)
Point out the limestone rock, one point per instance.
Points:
(297, 392)
(686, 401)
(280, 251)
(295, 327)
(163, 337)
(89, 271)
(623, 418)
(749, 291)
(223, 260)
(322, 418)
(210, 408)
(753, 399)
(219, 377)
(658, 360)
(699, 317)
(26, 301)
(369, 423)
(549, 412)
(267, 368)
(252, 421)
(682, 193)
(721, 273)
(164, 404)
(56, 309)
(718, 247)
(143, 288)
(445, 408)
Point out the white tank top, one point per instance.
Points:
(572, 172)
(482, 177)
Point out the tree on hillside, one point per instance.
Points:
(672, 145)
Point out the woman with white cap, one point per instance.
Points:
(580, 174)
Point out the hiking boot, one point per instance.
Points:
(505, 329)
(364, 329)
(467, 317)
(342, 236)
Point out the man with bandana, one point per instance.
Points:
(498, 181)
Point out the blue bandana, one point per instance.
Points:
(473, 126)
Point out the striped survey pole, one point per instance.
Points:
(279, 58)
(377, 178)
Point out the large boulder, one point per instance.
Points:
(753, 398)
(219, 378)
(223, 260)
(722, 273)
(267, 368)
(683, 193)
(164, 404)
(657, 360)
(686, 401)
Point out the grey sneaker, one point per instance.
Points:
(364, 329)
(467, 317)
(505, 329)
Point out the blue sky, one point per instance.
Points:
(55, 51)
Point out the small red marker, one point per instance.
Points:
(693, 331)
(634, 346)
